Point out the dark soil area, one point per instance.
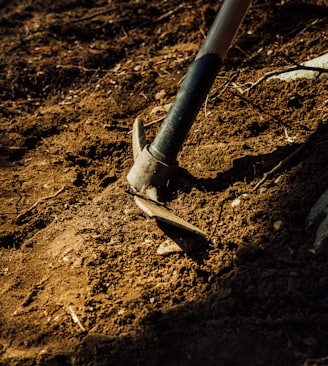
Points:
(81, 281)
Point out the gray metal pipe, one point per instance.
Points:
(198, 81)
(224, 28)
(156, 164)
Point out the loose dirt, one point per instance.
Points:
(81, 280)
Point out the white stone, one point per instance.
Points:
(168, 247)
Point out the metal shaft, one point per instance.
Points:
(198, 81)
(155, 164)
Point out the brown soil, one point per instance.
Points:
(81, 280)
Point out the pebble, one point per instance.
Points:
(160, 95)
(168, 247)
(235, 202)
(44, 351)
(277, 225)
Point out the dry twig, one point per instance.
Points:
(151, 123)
(12, 147)
(205, 106)
(75, 318)
(89, 17)
(297, 66)
(289, 158)
(67, 67)
(39, 201)
(266, 76)
(171, 12)
(260, 108)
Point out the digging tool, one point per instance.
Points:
(156, 164)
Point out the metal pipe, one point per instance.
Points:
(198, 81)
(156, 164)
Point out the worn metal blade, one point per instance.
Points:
(163, 214)
(138, 138)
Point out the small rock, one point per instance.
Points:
(160, 95)
(235, 202)
(168, 247)
(277, 225)
(44, 351)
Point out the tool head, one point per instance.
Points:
(148, 175)
(149, 178)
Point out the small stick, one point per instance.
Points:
(171, 12)
(205, 106)
(12, 147)
(151, 123)
(258, 107)
(79, 68)
(320, 70)
(89, 17)
(226, 84)
(291, 156)
(154, 122)
(100, 13)
(39, 201)
(76, 320)
(288, 138)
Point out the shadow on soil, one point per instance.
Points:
(194, 245)
(247, 169)
(269, 308)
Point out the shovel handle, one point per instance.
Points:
(198, 81)
(224, 28)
